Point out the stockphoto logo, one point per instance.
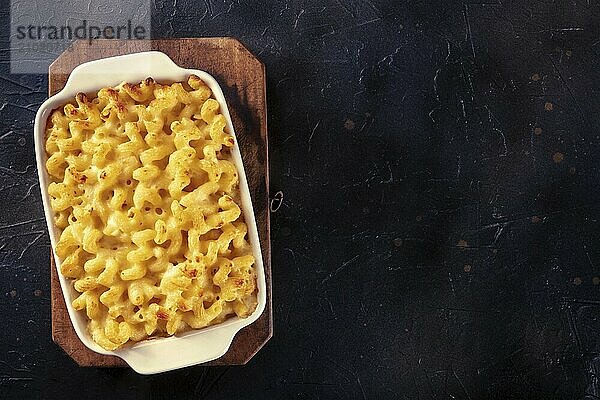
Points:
(82, 31)
(41, 30)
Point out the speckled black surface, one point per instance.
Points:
(439, 236)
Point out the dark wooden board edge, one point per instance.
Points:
(247, 123)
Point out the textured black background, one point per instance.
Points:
(439, 235)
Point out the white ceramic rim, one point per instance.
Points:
(192, 347)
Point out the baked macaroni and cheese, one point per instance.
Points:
(145, 197)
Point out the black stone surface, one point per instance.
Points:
(439, 236)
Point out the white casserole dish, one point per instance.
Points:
(192, 347)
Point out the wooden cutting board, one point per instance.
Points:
(242, 78)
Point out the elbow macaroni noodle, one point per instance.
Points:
(144, 195)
